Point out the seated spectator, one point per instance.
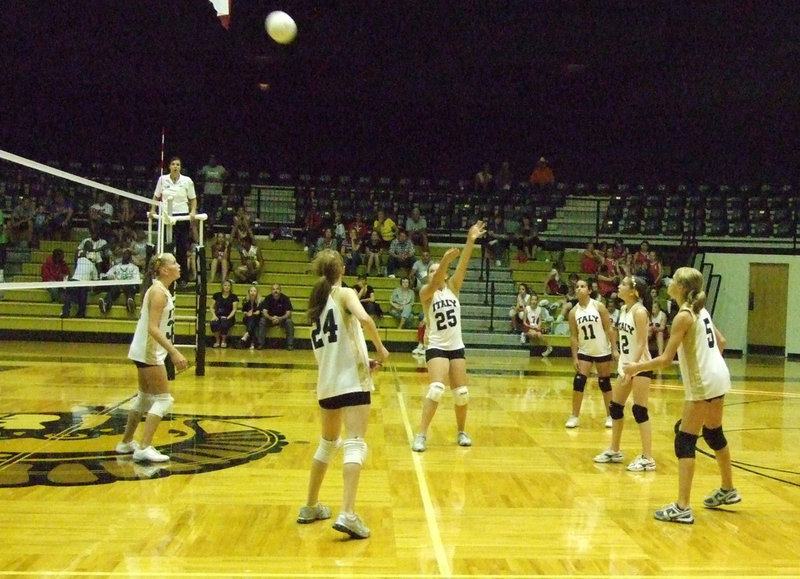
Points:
(517, 311)
(126, 219)
(375, 253)
(619, 249)
(312, 228)
(352, 252)
(139, 249)
(327, 241)
(542, 175)
(658, 326)
(591, 260)
(20, 224)
(417, 229)
(100, 214)
(401, 254)
(534, 320)
(55, 268)
(223, 313)
(366, 295)
(655, 272)
(503, 181)
(251, 262)
(251, 316)
(85, 270)
(553, 286)
(212, 176)
(338, 227)
(527, 239)
(276, 310)
(419, 271)
(241, 227)
(60, 219)
(402, 303)
(497, 239)
(613, 310)
(483, 182)
(386, 228)
(100, 252)
(220, 256)
(607, 278)
(126, 270)
(360, 225)
(641, 260)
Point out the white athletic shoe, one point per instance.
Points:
(149, 454)
(641, 463)
(522, 339)
(351, 525)
(463, 439)
(547, 352)
(572, 422)
(609, 455)
(127, 447)
(419, 443)
(318, 512)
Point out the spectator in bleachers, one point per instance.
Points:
(20, 224)
(402, 303)
(542, 175)
(607, 276)
(527, 239)
(401, 254)
(85, 270)
(360, 225)
(503, 181)
(498, 239)
(419, 271)
(241, 227)
(620, 250)
(59, 223)
(338, 227)
(125, 270)
(212, 176)
(655, 274)
(326, 241)
(591, 259)
(483, 182)
(613, 310)
(386, 228)
(417, 228)
(534, 320)
(99, 253)
(375, 252)
(220, 256)
(251, 316)
(223, 313)
(312, 228)
(658, 326)
(352, 252)
(366, 295)
(139, 249)
(101, 213)
(641, 260)
(55, 268)
(276, 310)
(126, 218)
(252, 262)
(517, 311)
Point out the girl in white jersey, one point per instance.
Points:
(632, 329)
(152, 343)
(591, 341)
(706, 379)
(344, 385)
(445, 349)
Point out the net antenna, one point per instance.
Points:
(157, 241)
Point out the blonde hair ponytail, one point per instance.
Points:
(329, 266)
(691, 280)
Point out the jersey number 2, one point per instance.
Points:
(328, 327)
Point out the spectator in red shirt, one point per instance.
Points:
(55, 268)
(542, 175)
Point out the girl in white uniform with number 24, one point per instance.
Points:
(706, 380)
(445, 348)
(344, 387)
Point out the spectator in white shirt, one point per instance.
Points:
(122, 271)
(85, 270)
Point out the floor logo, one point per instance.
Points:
(77, 448)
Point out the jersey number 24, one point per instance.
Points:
(328, 328)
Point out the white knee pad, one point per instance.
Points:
(435, 391)
(355, 450)
(327, 449)
(142, 402)
(461, 396)
(162, 403)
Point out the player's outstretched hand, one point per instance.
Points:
(477, 231)
(450, 254)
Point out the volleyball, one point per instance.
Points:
(280, 27)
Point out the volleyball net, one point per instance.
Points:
(52, 217)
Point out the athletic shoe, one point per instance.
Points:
(131, 305)
(419, 443)
(463, 439)
(609, 422)
(216, 345)
(419, 350)
(572, 422)
(223, 345)
(149, 454)
(103, 305)
(641, 463)
(547, 351)
(522, 339)
(609, 456)
(127, 447)
(351, 525)
(316, 513)
(672, 513)
(720, 497)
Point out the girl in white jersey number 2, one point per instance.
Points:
(445, 348)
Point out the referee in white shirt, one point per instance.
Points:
(184, 202)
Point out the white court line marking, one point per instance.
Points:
(427, 503)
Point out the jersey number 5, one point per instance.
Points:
(709, 332)
(328, 328)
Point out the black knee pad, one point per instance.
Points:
(640, 413)
(616, 410)
(605, 383)
(715, 438)
(579, 383)
(685, 444)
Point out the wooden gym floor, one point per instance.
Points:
(525, 500)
